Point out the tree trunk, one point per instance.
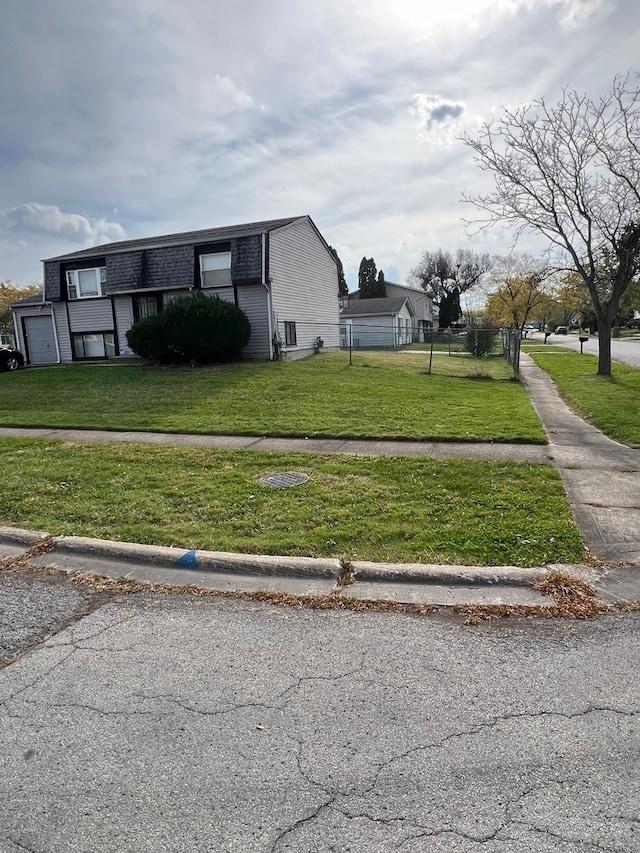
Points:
(604, 345)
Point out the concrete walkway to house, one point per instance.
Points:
(601, 479)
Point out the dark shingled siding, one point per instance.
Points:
(52, 281)
(123, 272)
(170, 267)
(246, 260)
(162, 268)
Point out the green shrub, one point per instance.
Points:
(205, 329)
(148, 340)
(479, 342)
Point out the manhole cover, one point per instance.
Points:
(285, 480)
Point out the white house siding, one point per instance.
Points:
(386, 330)
(123, 310)
(304, 287)
(90, 315)
(62, 328)
(33, 310)
(420, 302)
(252, 299)
(225, 293)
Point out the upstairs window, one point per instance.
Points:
(86, 284)
(215, 270)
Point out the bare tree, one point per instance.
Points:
(445, 277)
(571, 172)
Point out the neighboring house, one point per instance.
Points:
(421, 305)
(381, 322)
(280, 272)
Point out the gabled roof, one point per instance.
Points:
(378, 306)
(208, 235)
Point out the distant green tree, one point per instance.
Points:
(342, 284)
(450, 310)
(380, 288)
(10, 292)
(367, 279)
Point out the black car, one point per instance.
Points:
(10, 359)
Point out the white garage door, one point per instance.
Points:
(41, 346)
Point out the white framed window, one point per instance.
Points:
(86, 284)
(95, 345)
(290, 338)
(215, 269)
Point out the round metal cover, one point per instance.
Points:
(285, 480)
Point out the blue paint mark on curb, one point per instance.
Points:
(187, 561)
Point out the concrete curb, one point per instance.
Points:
(131, 554)
(445, 574)
(202, 561)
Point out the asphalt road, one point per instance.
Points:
(626, 350)
(181, 724)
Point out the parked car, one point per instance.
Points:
(10, 359)
(561, 330)
(633, 324)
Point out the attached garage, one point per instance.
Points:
(40, 344)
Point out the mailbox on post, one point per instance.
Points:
(583, 339)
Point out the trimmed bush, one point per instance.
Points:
(205, 329)
(479, 342)
(148, 340)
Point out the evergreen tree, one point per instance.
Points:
(381, 290)
(343, 290)
(367, 281)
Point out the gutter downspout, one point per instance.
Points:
(266, 287)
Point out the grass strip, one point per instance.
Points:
(386, 509)
(382, 395)
(612, 405)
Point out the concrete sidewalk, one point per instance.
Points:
(601, 479)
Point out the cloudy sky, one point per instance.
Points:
(130, 118)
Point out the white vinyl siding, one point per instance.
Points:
(225, 293)
(420, 302)
(304, 286)
(382, 331)
(94, 315)
(253, 301)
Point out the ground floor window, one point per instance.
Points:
(94, 345)
(290, 339)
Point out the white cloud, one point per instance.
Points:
(150, 116)
(34, 218)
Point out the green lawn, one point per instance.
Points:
(612, 405)
(383, 395)
(396, 509)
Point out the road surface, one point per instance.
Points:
(626, 350)
(166, 723)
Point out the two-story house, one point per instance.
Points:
(280, 272)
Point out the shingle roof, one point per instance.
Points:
(380, 305)
(28, 300)
(208, 235)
